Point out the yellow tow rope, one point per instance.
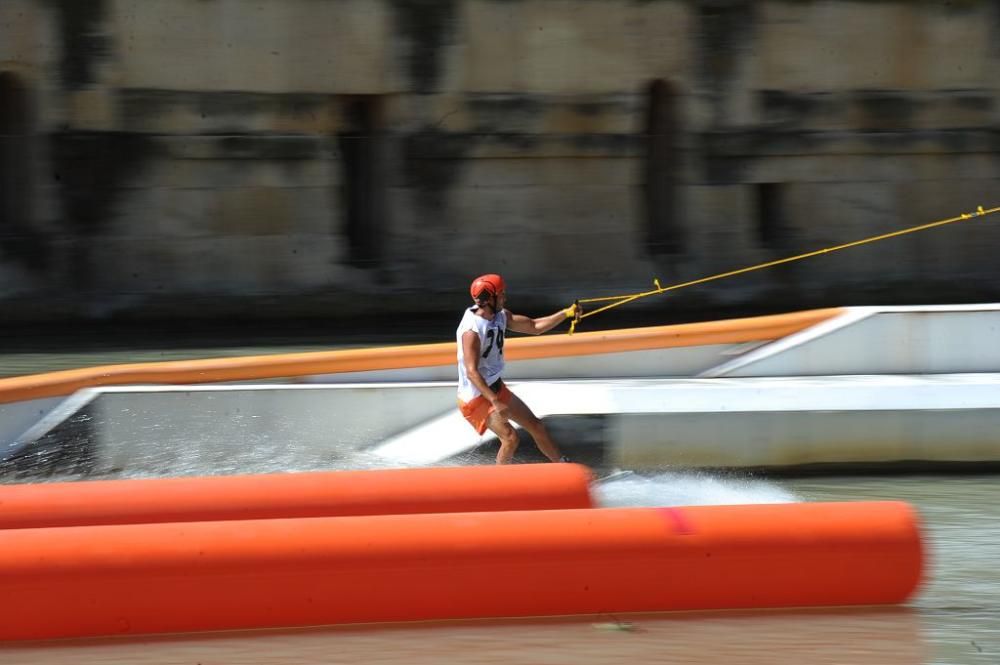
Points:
(627, 298)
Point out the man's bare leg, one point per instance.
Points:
(507, 435)
(523, 416)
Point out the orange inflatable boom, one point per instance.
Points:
(198, 576)
(313, 494)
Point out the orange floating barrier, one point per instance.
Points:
(247, 368)
(198, 576)
(286, 495)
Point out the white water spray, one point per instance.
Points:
(687, 489)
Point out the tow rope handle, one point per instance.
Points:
(577, 316)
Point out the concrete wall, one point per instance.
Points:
(276, 157)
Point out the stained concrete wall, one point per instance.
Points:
(197, 156)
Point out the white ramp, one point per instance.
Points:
(938, 339)
(449, 434)
(749, 422)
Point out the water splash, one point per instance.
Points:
(687, 489)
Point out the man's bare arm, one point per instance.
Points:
(523, 324)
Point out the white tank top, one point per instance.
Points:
(491, 338)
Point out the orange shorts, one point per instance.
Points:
(478, 409)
